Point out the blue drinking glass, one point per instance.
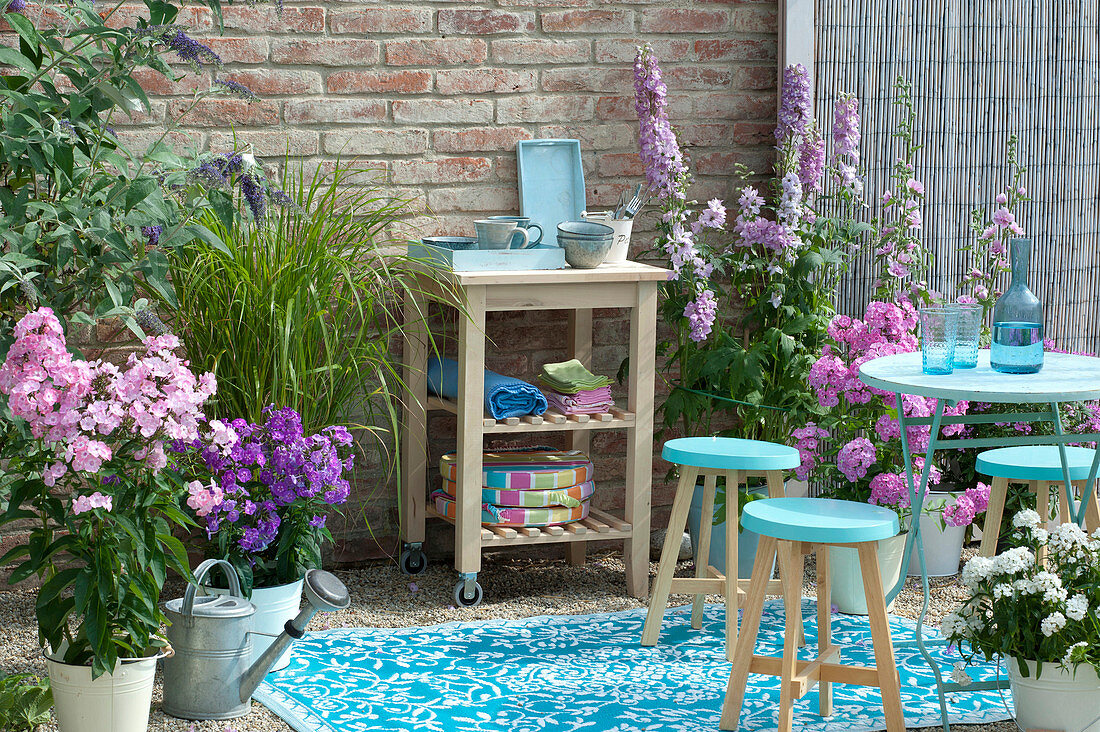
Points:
(938, 331)
(969, 333)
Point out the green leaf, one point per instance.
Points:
(209, 237)
(139, 190)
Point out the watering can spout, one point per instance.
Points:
(324, 593)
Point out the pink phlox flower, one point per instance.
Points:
(82, 504)
(750, 202)
(714, 215)
(855, 458)
(204, 499)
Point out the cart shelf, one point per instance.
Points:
(597, 527)
(550, 421)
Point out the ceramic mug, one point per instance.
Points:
(498, 234)
(523, 222)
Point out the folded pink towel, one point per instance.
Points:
(591, 401)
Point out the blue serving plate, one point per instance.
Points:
(551, 183)
(454, 243)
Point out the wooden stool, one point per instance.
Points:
(1040, 468)
(791, 527)
(710, 457)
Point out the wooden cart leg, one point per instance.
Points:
(889, 683)
(471, 412)
(991, 529)
(580, 348)
(702, 552)
(639, 457)
(824, 627)
(754, 608)
(414, 443)
(658, 599)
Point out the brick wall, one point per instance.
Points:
(437, 93)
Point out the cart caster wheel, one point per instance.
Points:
(462, 601)
(413, 562)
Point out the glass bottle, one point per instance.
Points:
(1017, 346)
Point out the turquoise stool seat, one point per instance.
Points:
(731, 453)
(1035, 462)
(789, 528)
(819, 520)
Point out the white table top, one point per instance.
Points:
(1064, 378)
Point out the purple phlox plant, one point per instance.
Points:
(188, 49)
(152, 234)
(16, 6)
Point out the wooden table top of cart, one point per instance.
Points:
(605, 273)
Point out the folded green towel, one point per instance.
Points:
(570, 377)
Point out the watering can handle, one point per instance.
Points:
(200, 575)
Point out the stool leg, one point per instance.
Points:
(676, 523)
(991, 529)
(754, 608)
(733, 478)
(702, 552)
(1092, 512)
(824, 627)
(1042, 506)
(792, 612)
(888, 681)
(776, 490)
(1063, 503)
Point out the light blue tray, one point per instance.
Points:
(551, 183)
(490, 260)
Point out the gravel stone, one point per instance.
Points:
(515, 586)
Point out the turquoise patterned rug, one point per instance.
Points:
(584, 672)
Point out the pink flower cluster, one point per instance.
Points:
(967, 506)
(88, 410)
(808, 441)
(82, 504)
(855, 458)
(204, 498)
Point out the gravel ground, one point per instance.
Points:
(515, 587)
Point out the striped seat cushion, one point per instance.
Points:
(492, 515)
(526, 469)
(570, 497)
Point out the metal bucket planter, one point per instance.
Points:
(1058, 699)
(114, 702)
(274, 606)
(746, 540)
(847, 580)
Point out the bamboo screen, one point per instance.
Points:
(982, 71)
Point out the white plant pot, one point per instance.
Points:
(746, 540)
(274, 606)
(847, 580)
(114, 702)
(942, 547)
(620, 247)
(1062, 700)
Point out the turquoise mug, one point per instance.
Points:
(521, 222)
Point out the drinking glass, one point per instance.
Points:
(969, 331)
(938, 330)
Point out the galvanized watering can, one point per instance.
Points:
(209, 676)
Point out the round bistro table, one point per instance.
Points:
(1063, 378)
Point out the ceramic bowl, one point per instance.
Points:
(584, 230)
(455, 243)
(585, 253)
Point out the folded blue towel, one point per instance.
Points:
(505, 396)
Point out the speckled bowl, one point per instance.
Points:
(456, 243)
(585, 253)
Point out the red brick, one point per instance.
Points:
(544, 109)
(141, 139)
(619, 165)
(722, 163)
(684, 20)
(443, 110)
(223, 112)
(599, 136)
(435, 52)
(197, 19)
(755, 19)
(548, 3)
(333, 111)
(485, 81)
(273, 144)
(540, 51)
(327, 52)
(707, 134)
(623, 50)
(574, 79)
(270, 82)
(754, 133)
(506, 168)
(623, 107)
(377, 142)
(735, 49)
(264, 19)
(359, 82)
(239, 50)
(605, 194)
(755, 78)
(484, 22)
(381, 20)
(154, 82)
(478, 139)
(155, 115)
(736, 106)
(588, 21)
(444, 170)
(475, 198)
(701, 78)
